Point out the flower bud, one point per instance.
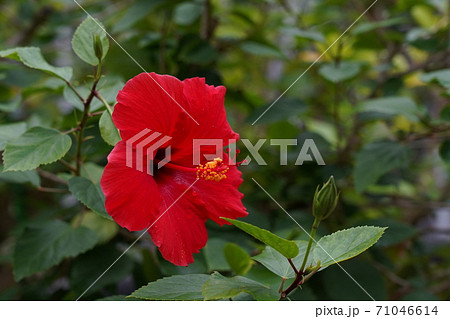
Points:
(325, 199)
(98, 48)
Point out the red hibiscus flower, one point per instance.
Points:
(178, 198)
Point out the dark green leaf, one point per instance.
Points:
(32, 58)
(44, 245)
(180, 287)
(283, 109)
(187, 12)
(214, 255)
(82, 41)
(20, 177)
(444, 151)
(261, 49)
(37, 146)
(89, 194)
(287, 248)
(237, 258)
(376, 159)
(220, 287)
(395, 105)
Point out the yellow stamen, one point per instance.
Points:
(213, 171)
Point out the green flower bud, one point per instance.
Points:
(325, 199)
(98, 48)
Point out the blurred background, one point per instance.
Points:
(376, 105)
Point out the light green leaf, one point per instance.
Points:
(344, 244)
(305, 34)
(220, 287)
(442, 77)
(278, 264)
(237, 258)
(20, 177)
(35, 147)
(82, 41)
(376, 159)
(395, 105)
(32, 58)
(11, 105)
(286, 247)
(187, 12)
(108, 130)
(9, 132)
(89, 194)
(179, 287)
(44, 245)
(104, 228)
(341, 72)
(370, 26)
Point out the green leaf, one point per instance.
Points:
(108, 130)
(82, 41)
(32, 58)
(261, 49)
(344, 244)
(370, 26)
(376, 159)
(214, 255)
(179, 287)
(11, 105)
(278, 264)
(35, 147)
(287, 248)
(341, 72)
(187, 12)
(44, 245)
(395, 105)
(134, 13)
(88, 267)
(220, 287)
(104, 228)
(305, 34)
(282, 110)
(10, 132)
(89, 194)
(442, 77)
(20, 177)
(237, 258)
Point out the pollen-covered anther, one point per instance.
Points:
(214, 170)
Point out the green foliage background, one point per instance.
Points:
(376, 104)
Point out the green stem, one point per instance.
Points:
(311, 239)
(105, 103)
(84, 119)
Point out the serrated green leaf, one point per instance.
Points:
(344, 244)
(89, 194)
(395, 105)
(220, 287)
(44, 245)
(32, 58)
(278, 264)
(108, 130)
(376, 159)
(9, 132)
(179, 287)
(35, 147)
(286, 247)
(341, 72)
(82, 41)
(238, 259)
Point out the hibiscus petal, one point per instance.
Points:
(132, 197)
(223, 198)
(180, 231)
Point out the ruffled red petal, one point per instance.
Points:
(132, 197)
